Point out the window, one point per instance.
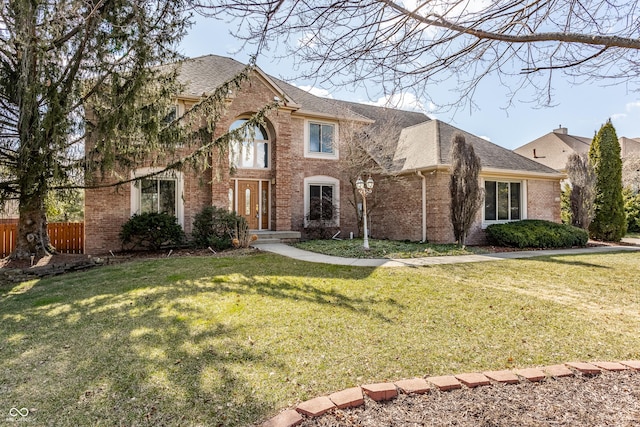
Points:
(158, 195)
(320, 202)
(502, 201)
(320, 140)
(321, 199)
(253, 150)
(171, 115)
(161, 193)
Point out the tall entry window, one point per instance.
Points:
(252, 150)
(502, 201)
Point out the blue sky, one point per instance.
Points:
(580, 108)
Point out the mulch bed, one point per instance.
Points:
(608, 399)
(13, 271)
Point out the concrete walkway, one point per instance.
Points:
(302, 255)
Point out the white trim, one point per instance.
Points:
(254, 142)
(315, 155)
(175, 175)
(322, 180)
(523, 200)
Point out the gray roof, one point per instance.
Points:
(428, 145)
(202, 75)
(421, 142)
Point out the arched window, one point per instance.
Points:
(252, 151)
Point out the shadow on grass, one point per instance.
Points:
(138, 344)
(561, 260)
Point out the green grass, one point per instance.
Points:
(352, 248)
(231, 341)
(633, 235)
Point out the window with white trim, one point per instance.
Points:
(320, 202)
(503, 201)
(160, 193)
(252, 151)
(321, 139)
(321, 199)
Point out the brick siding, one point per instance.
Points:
(395, 205)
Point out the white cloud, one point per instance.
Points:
(307, 40)
(631, 105)
(317, 91)
(618, 116)
(486, 138)
(403, 101)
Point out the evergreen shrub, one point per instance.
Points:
(533, 233)
(151, 231)
(215, 227)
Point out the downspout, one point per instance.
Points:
(424, 206)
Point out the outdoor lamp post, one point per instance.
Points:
(365, 189)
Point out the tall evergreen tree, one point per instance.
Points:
(609, 222)
(55, 57)
(466, 194)
(85, 96)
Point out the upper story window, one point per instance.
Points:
(321, 139)
(502, 201)
(252, 151)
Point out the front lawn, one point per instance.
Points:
(231, 341)
(352, 248)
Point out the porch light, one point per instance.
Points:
(360, 186)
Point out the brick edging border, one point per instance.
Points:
(353, 397)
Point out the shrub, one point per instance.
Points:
(632, 210)
(151, 231)
(536, 234)
(215, 227)
(609, 222)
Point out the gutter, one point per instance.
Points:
(424, 206)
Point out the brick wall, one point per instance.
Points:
(543, 200)
(400, 216)
(105, 210)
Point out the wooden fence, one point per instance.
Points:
(66, 237)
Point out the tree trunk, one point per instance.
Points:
(32, 238)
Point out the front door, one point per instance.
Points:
(248, 202)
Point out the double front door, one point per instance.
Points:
(251, 201)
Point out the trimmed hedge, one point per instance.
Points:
(535, 233)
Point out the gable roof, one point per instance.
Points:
(428, 145)
(420, 143)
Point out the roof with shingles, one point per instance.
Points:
(421, 143)
(429, 144)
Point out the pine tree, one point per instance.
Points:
(466, 194)
(609, 222)
(86, 92)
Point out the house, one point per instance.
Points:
(554, 148)
(294, 161)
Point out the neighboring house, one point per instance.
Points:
(294, 162)
(554, 148)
